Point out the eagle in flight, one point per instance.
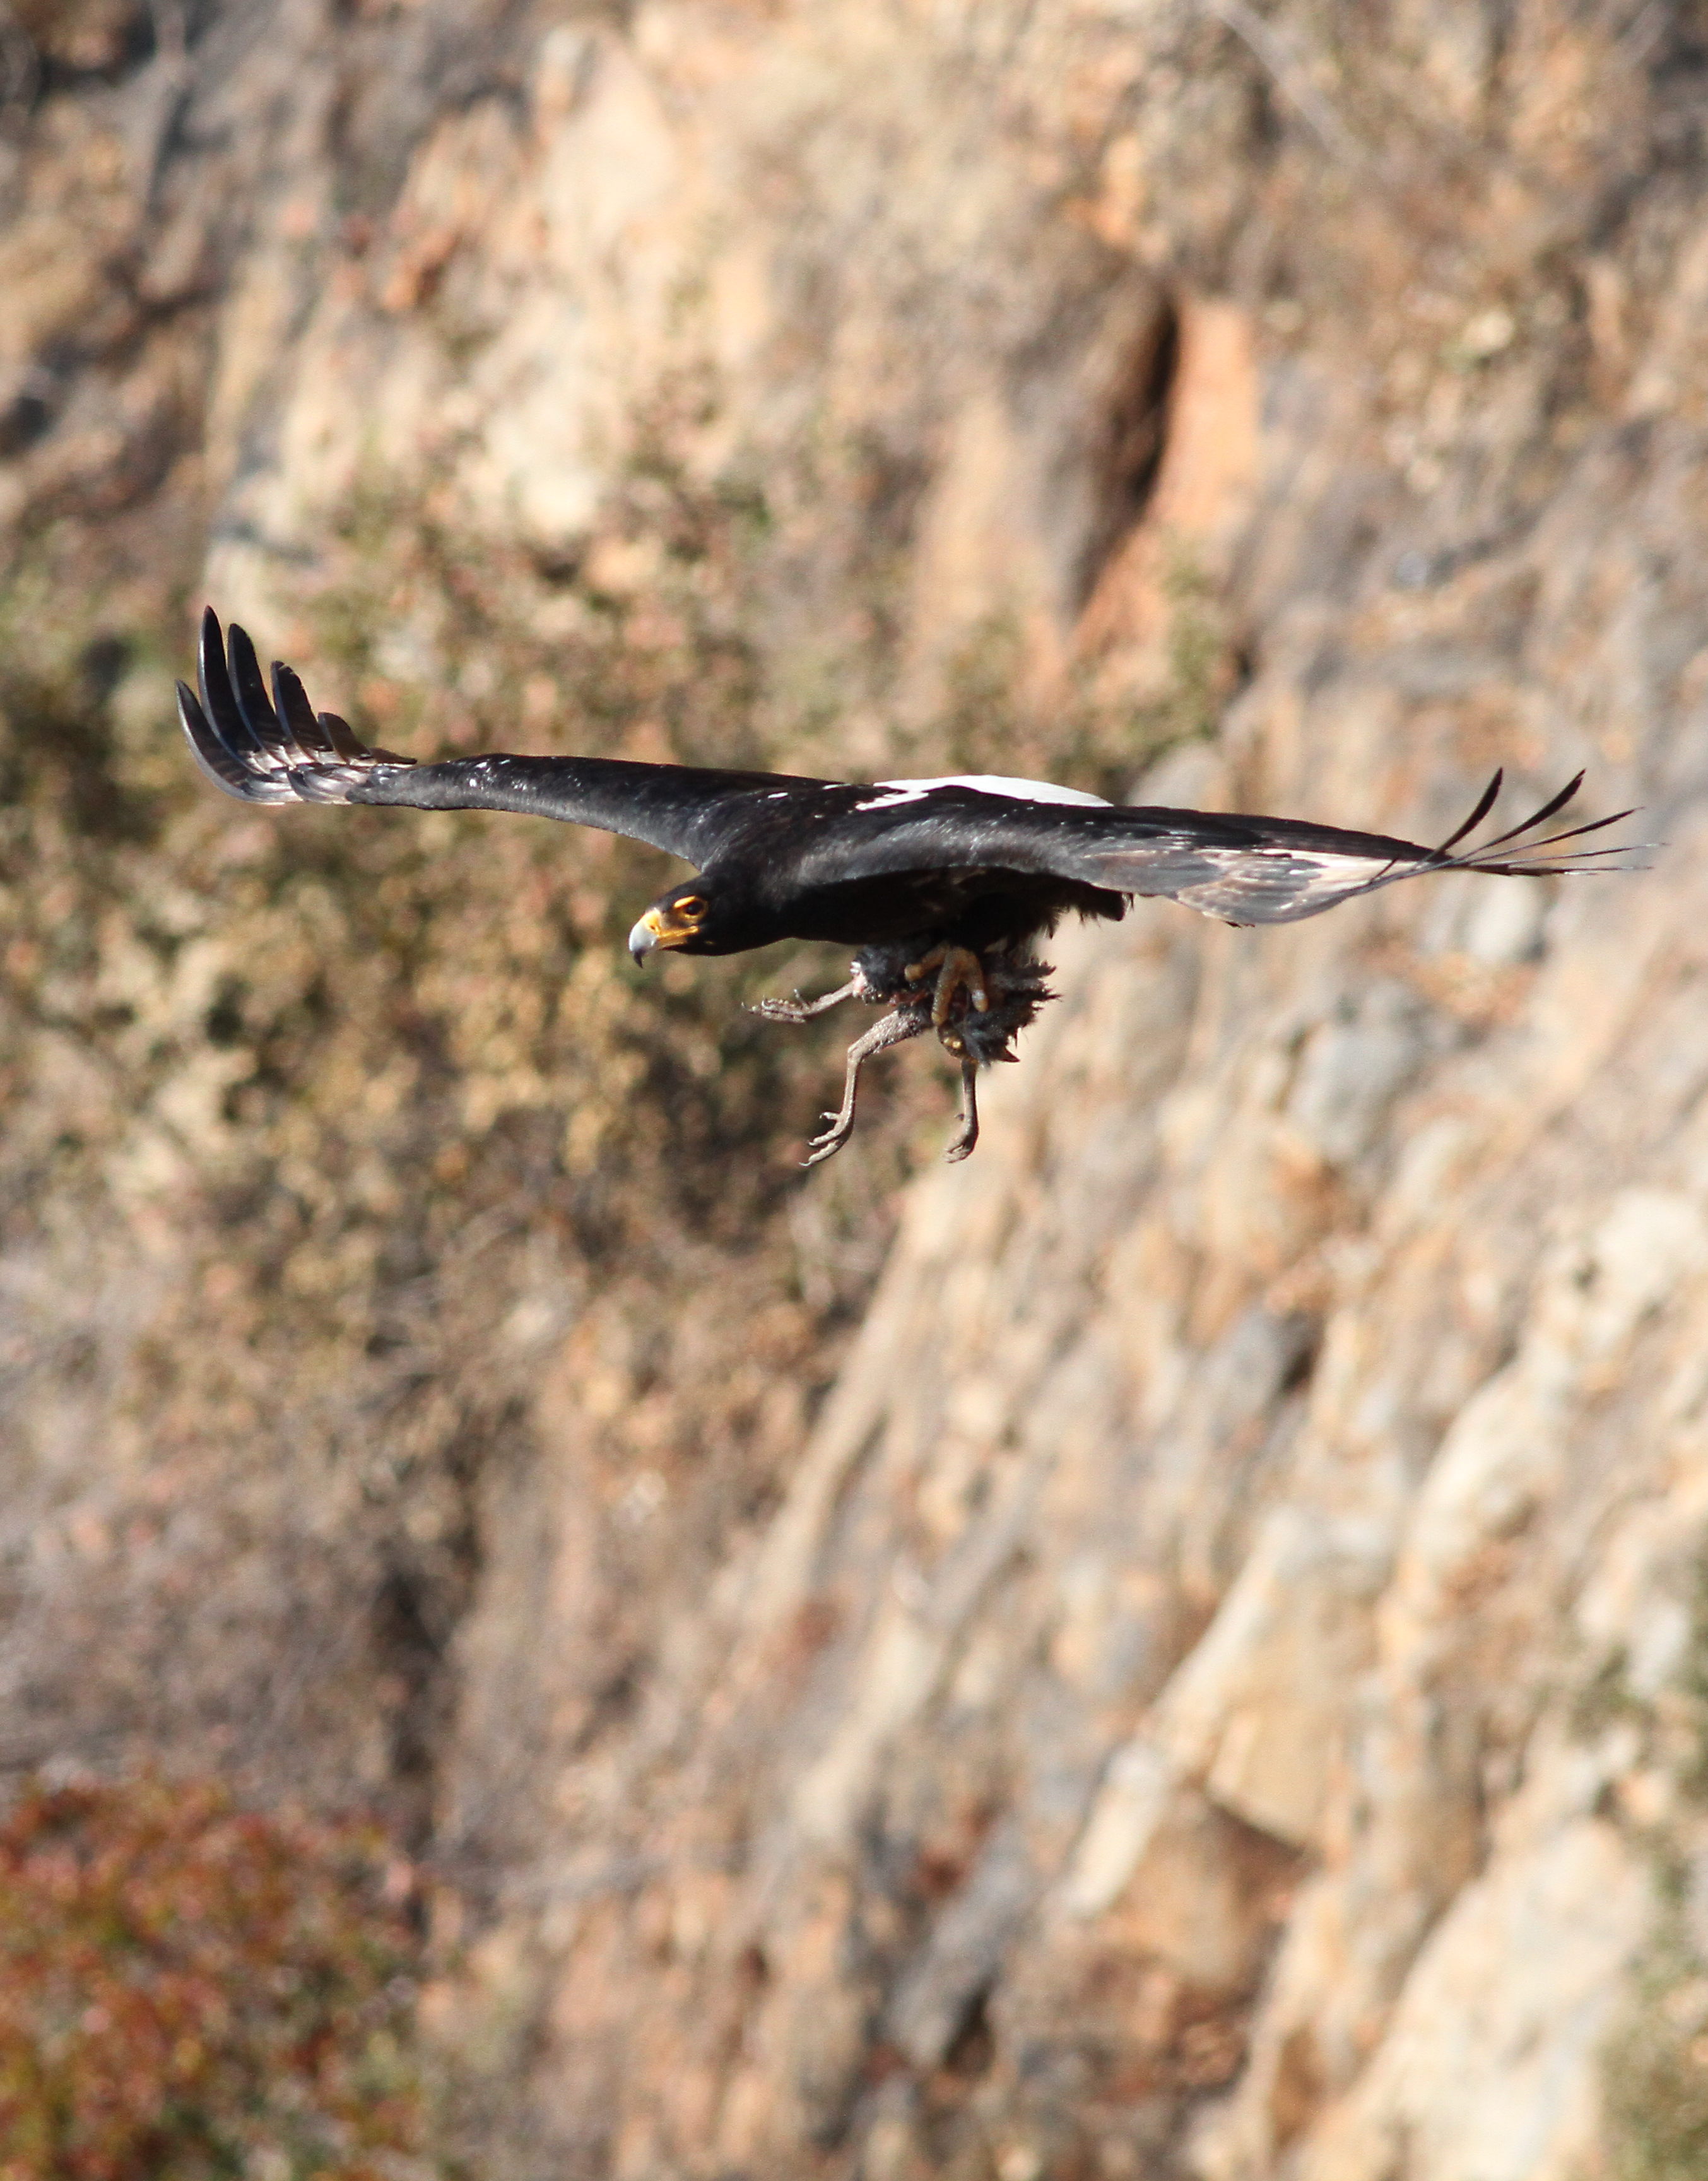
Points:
(943, 886)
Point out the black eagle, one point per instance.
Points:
(943, 887)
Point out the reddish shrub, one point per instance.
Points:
(190, 1991)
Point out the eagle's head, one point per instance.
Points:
(694, 918)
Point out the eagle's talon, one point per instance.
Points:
(956, 967)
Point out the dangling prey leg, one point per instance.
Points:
(894, 1030)
(798, 1010)
(955, 966)
(961, 1147)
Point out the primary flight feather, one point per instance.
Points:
(943, 886)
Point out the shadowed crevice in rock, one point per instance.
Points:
(1135, 437)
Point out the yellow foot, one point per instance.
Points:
(955, 966)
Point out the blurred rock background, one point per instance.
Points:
(1178, 1648)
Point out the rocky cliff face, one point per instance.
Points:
(1216, 1685)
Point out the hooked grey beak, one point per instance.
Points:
(643, 939)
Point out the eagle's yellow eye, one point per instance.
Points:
(690, 906)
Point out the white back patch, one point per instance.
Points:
(898, 792)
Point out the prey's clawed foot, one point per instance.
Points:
(798, 1010)
(957, 967)
(960, 1144)
(894, 1030)
(830, 1140)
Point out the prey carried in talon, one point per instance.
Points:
(987, 1004)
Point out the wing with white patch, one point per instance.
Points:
(892, 794)
(1244, 869)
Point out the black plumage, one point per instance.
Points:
(943, 887)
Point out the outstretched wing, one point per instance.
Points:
(1244, 869)
(1285, 870)
(277, 749)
